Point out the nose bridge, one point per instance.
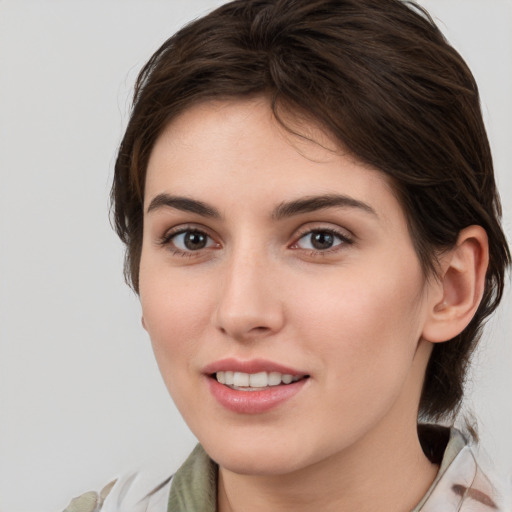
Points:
(249, 304)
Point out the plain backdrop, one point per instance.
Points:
(81, 399)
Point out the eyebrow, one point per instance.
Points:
(282, 211)
(184, 204)
(314, 203)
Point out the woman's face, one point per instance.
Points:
(267, 258)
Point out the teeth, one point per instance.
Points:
(287, 379)
(274, 379)
(255, 380)
(241, 380)
(258, 380)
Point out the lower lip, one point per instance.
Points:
(253, 402)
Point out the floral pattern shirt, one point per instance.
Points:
(460, 486)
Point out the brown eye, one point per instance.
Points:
(194, 240)
(191, 240)
(321, 240)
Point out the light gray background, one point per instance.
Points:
(80, 395)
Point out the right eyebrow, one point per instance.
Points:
(184, 204)
(314, 203)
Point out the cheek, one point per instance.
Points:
(367, 320)
(175, 309)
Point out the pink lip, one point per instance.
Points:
(252, 402)
(252, 366)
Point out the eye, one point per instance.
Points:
(320, 240)
(190, 240)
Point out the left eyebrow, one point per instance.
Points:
(184, 204)
(313, 203)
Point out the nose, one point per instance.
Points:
(249, 306)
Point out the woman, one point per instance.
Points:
(306, 193)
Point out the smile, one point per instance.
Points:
(253, 387)
(254, 381)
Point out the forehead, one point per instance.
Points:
(237, 149)
(207, 127)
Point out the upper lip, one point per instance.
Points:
(251, 366)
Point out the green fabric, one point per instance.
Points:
(90, 501)
(86, 502)
(194, 486)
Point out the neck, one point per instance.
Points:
(368, 477)
(385, 470)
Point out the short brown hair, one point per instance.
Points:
(380, 77)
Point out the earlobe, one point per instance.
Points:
(460, 286)
(143, 322)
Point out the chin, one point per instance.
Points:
(259, 463)
(259, 455)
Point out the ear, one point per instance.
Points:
(458, 291)
(143, 322)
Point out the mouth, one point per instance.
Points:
(253, 387)
(259, 381)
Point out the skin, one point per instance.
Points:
(354, 317)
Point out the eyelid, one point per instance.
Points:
(166, 239)
(310, 227)
(183, 228)
(346, 237)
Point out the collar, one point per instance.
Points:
(194, 486)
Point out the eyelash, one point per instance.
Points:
(343, 238)
(167, 241)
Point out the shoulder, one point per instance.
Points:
(462, 485)
(479, 489)
(125, 494)
(91, 501)
(484, 493)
